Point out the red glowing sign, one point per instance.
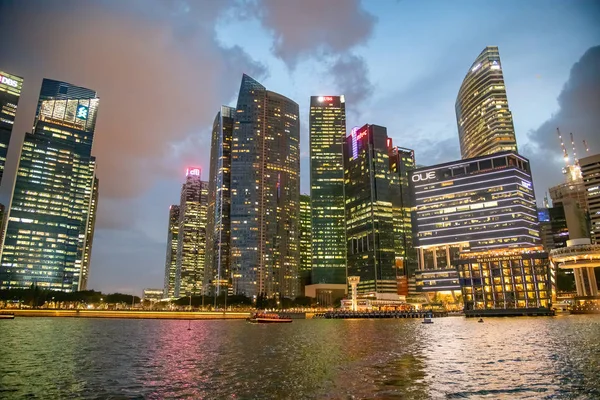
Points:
(325, 98)
(362, 134)
(193, 171)
(389, 142)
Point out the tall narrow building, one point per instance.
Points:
(590, 170)
(305, 241)
(10, 92)
(402, 161)
(485, 124)
(89, 238)
(265, 193)
(191, 239)
(327, 135)
(371, 190)
(50, 222)
(218, 231)
(171, 259)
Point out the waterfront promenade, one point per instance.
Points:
(127, 314)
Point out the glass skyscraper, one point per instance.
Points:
(191, 239)
(218, 231)
(371, 191)
(265, 193)
(50, 223)
(171, 259)
(10, 92)
(485, 124)
(305, 240)
(327, 134)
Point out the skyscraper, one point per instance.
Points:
(191, 239)
(327, 135)
(218, 231)
(402, 161)
(10, 92)
(485, 124)
(590, 170)
(305, 241)
(371, 189)
(265, 193)
(50, 222)
(171, 259)
(89, 236)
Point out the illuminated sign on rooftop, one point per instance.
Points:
(192, 172)
(325, 98)
(82, 112)
(7, 81)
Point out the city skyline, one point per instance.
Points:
(532, 101)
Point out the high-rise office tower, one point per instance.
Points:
(305, 240)
(191, 239)
(50, 222)
(171, 259)
(89, 236)
(218, 231)
(265, 193)
(402, 161)
(327, 135)
(10, 92)
(371, 190)
(590, 171)
(485, 124)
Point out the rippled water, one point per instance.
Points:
(55, 358)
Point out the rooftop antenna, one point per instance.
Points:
(564, 149)
(575, 160)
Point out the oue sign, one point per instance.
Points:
(425, 176)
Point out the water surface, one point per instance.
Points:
(513, 358)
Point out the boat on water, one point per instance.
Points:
(264, 318)
(7, 316)
(427, 319)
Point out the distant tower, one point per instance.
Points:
(49, 233)
(191, 240)
(305, 241)
(10, 92)
(485, 124)
(171, 259)
(265, 193)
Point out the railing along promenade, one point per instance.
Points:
(130, 314)
(380, 314)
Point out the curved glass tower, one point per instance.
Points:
(485, 124)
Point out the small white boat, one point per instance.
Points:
(7, 316)
(427, 320)
(267, 319)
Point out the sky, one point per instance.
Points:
(162, 69)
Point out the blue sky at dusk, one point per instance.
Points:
(163, 68)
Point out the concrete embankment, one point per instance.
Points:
(128, 314)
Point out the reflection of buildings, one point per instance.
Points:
(506, 281)
(305, 242)
(370, 190)
(265, 193)
(590, 170)
(485, 124)
(50, 222)
(191, 240)
(153, 295)
(475, 205)
(218, 230)
(171, 260)
(327, 134)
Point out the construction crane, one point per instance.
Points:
(587, 149)
(564, 149)
(575, 160)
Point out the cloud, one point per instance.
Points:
(579, 102)
(350, 76)
(158, 70)
(313, 28)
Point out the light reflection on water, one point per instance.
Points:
(535, 358)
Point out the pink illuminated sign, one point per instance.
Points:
(193, 171)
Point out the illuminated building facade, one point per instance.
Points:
(590, 170)
(508, 281)
(191, 240)
(305, 241)
(153, 295)
(218, 231)
(327, 135)
(10, 92)
(402, 161)
(371, 191)
(89, 239)
(171, 259)
(50, 223)
(485, 124)
(265, 193)
(476, 204)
